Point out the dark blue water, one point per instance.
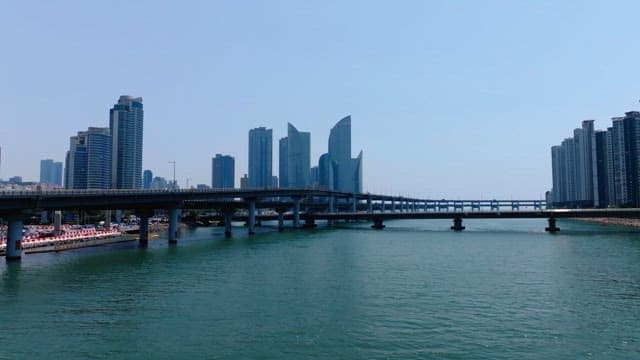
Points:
(498, 290)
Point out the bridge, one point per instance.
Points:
(296, 205)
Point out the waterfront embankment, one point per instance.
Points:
(635, 223)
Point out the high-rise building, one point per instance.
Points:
(283, 157)
(147, 178)
(244, 182)
(602, 169)
(619, 162)
(222, 172)
(260, 157)
(345, 172)
(50, 172)
(126, 120)
(298, 158)
(88, 161)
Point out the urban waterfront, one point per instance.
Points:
(501, 289)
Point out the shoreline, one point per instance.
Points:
(627, 222)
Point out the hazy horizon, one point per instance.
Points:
(447, 99)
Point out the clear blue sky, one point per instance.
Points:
(452, 99)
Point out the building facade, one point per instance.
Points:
(147, 179)
(260, 158)
(50, 172)
(88, 161)
(298, 151)
(126, 120)
(223, 172)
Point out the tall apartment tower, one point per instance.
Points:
(347, 171)
(88, 161)
(298, 164)
(147, 179)
(50, 172)
(260, 157)
(222, 172)
(126, 120)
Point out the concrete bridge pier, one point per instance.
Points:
(251, 221)
(377, 224)
(309, 223)
(457, 224)
(280, 219)
(228, 218)
(382, 209)
(354, 204)
(14, 238)
(369, 205)
(552, 228)
(57, 223)
(174, 218)
(332, 209)
(107, 219)
(296, 212)
(144, 215)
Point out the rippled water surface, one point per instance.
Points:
(498, 290)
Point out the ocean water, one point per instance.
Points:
(502, 289)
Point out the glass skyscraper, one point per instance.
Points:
(338, 170)
(260, 157)
(298, 158)
(88, 161)
(126, 120)
(147, 179)
(222, 172)
(50, 172)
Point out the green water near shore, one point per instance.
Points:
(498, 290)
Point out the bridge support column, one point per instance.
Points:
(173, 225)
(382, 206)
(296, 212)
(280, 220)
(457, 224)
(144, 216)
(332, 208)
(107, 219)
(251, 222)
(369, 205)
(228, 218)
(354, 204)
(552, 228)
(14, 239)
(309, 223)
(393, 205)
(57, 223)
(377, 224)
(44, 217)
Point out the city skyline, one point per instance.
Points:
(439, 90)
